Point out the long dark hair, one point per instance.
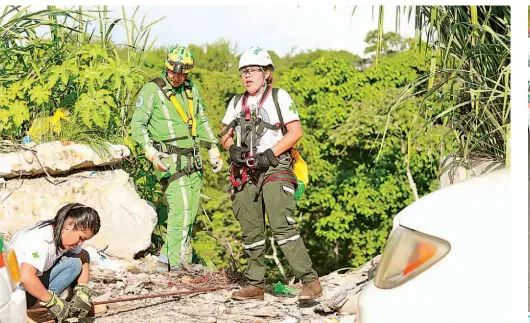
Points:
(84, 217)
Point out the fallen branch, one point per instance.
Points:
(128, 299)
(274, 256)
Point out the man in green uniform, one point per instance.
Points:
(170, 124)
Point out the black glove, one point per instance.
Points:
(236, 154)
(264, 160)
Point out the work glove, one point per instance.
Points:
(236, 154)
(59, 308)
(264, 160)
(215, 158)
(81, 303)
(156, 158)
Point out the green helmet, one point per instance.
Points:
(180, 59)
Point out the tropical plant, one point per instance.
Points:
(469, 75)
(66, 75)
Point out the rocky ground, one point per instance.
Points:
(141, 279)
(130, 291)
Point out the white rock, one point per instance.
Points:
(348, 319)
(104, 297)
(130, 289)
(127, 221)
(57, 157)
(289, 319)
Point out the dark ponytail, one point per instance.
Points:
(84, 217)
(269, 79)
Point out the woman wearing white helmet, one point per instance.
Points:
(265, 125)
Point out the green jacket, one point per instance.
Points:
(155, 119)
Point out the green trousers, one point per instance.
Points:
(183, 197)
(276, 199)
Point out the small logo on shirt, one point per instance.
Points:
(35, 255)
(139, 101)
(263, 115)
(293, 107)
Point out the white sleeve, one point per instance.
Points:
(31, 253)
(287, 107)
(229, 114)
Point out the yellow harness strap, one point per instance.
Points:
(190, 118)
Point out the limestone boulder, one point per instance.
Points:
(127, 221)
(57, 157)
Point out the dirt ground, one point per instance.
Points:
(204, 296)
(213, 307)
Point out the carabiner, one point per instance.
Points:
(250, 162)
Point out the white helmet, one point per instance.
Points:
(255, 56)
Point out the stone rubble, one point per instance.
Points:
(141, 278)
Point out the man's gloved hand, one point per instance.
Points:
(215, 158)
(236, 154)
(156, 158)
(59, 308)
(264, 160)
(81, 303)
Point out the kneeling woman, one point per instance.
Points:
(51, 259)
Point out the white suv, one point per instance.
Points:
(443, 261)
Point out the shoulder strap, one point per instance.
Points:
(160, 82)
(277, 105)
(237, 98)
(232, 124)
(189, 119)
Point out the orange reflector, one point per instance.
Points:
(423, 252)
(12, 265)
(2, 260)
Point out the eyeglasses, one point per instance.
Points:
(249, 71)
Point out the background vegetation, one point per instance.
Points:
(374, 134)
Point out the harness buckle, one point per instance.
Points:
(189, 122)
(197, 158)
(285, 160)
(250, 162)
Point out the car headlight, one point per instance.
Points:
(407, 254)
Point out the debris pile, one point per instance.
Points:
(139, 279)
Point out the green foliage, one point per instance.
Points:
(367, 161)
(468, 75)
(353, 195)
(390, 43)
(84, 78)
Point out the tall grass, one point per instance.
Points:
(469, 74)
(50, 58)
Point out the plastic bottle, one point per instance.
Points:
(12, 265)
(26, 139)
(280, 288)
(5, 280)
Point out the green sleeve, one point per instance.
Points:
(204, 131)
(143, 111)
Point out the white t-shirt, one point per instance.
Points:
(36, 248)
(268, 114)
